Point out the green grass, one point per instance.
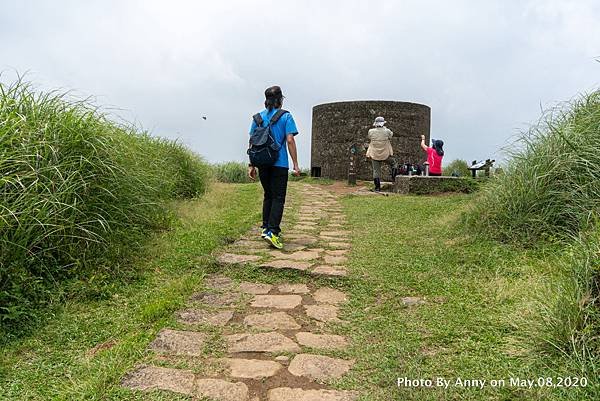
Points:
(481, 320)
(550, 189)
(550, 194)
(55, 361)
(78, 192)
(231, 172)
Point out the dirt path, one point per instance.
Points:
(277, 338)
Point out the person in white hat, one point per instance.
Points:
(380, 148)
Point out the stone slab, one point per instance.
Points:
(336, 252)
(291, 247)
(251, 368)
(151, 377)
(255, 288)
(272, 321)
(177, 342)
(293, 288)
(276, 301)
(322, 313)
(335, 260)
(212, 299)
(221, 390)
(305, 228)
(319, 367)
(299, 394)
(218, 282)
(199, 316)
(262, 342)
(330, 296)
(339, 234)
(301, 239)
(326, 270)
(298, 255)
(287, 264)
(339, 245)
(322, 341)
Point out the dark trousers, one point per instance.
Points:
(274, 182)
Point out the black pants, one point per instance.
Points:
(274, 182)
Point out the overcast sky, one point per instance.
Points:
(484, 67)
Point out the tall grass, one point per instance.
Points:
(76, 192)
(550, 190)
(231, 172)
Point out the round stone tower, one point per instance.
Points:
(341, 126)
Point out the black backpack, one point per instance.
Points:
(263, 150)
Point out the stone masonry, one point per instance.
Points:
(338, 126)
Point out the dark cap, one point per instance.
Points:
(274, 92)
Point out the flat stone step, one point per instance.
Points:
(327, 270)
(151, 377)
(219, 299)
(276, 301)
(307, 255)
(298, 394)
(339, 244)
(293, 288)
(178, 342)
(251, 368)
(272, 321)
(200, 316)
(300, 239)
(287, 264)
(323, 313)
(319, 367)
(322, 341)
(262, 342)
(255, 288)
(339, 233)
(217, 281)
(335, 260)
(221, 390)
(329, 296)
(337, 252)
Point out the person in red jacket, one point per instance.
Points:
(435, 154)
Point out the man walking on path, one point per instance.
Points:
(274, 178)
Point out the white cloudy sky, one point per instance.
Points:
(484, 67)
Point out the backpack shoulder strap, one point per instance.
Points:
(277, 116)
(258, 119)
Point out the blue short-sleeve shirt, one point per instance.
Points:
(281, 129)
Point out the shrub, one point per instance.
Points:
(76, 192)
(550, 188)
(458, 166)
(231, 172)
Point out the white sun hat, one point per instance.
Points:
(379, 122)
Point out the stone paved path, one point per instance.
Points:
(316, 244)
(276, 341)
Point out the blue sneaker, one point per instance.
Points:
(263, 233)
(273, 240)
